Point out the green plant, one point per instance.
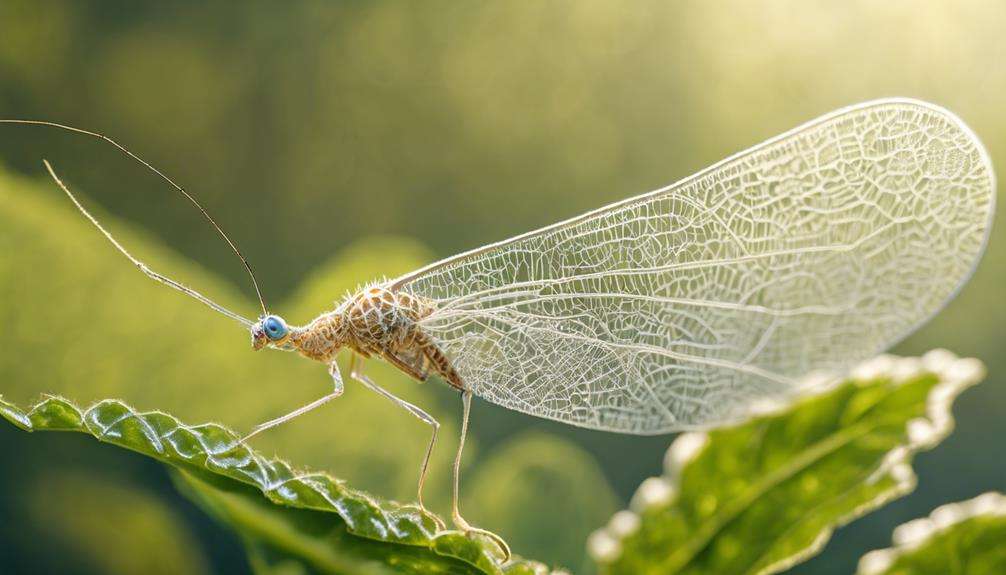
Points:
(765, 495)
(82, 324)
(270, 504)
(754, 498)
(965, 537)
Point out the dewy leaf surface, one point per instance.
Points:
(965, 537)
(230, 479)
(764, 495)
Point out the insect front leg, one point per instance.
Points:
(355, 372)
(333, 370)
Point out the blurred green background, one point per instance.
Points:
(338, 142)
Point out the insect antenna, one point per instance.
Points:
(143, 267)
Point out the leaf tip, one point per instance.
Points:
(914, 534)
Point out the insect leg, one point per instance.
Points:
(333, 369)
(356, 373)
(459, 521)
(416, 364)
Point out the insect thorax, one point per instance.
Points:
(380, 319)
(372, 321)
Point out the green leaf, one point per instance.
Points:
(965, 537)
(764, 495)
(544, 509)
(84, 324)
(316, 541)
(318, 520)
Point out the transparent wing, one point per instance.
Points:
(684, 307)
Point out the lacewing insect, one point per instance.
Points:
(685, 307)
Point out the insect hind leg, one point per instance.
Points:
(439, 360)
(442, 364)
(459, 521)
(356, 373)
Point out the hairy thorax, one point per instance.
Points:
(374, 321)
(377, 321)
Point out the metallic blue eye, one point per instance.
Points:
(274, 327)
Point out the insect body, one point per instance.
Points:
(375, 321)
(684, 307)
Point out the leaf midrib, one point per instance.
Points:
(709, 529)
(277, 532)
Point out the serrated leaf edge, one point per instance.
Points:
(917, 532)
(955, 374)
(387, 521)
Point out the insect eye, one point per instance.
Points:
(274, 327)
